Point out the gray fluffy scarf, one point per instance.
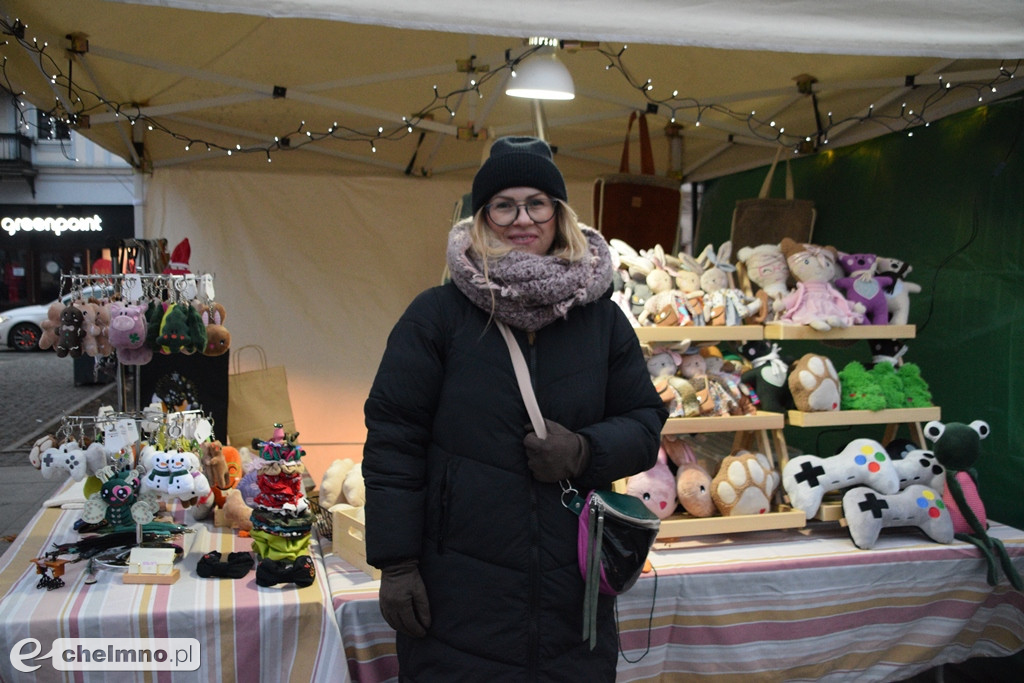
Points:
(529, 291)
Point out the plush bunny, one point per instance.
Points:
(693, 483)
(688, 273)
(815, 301)
(666, 305)
(656, 487)
(861, 285)
(714, 397)
(218, 339)
(724, 304)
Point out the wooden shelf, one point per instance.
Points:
(680, 526)
(782, 331)
(700, 333)
(724, 423)
(863, 417)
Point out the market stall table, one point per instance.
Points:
(246, 632)
(773, 605)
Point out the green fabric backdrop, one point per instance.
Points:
(950, 201)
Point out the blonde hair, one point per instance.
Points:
(570, 242)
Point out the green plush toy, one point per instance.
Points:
(859, 389)
(916, 393)
(890, 385)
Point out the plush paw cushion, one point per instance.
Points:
(744, 484)
(807, 478)
(867, 512)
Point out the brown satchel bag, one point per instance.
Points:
(766, 220)
(641, 209)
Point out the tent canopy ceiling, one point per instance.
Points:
(417, 88)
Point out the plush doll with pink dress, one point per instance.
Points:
(815, 301)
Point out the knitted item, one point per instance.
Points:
(235, 566)
(299, 571)
(517, 162)
(529, 291)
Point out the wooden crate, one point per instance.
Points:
(348, 537)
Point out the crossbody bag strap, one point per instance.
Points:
(523, 377)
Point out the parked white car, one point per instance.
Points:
(20, 328)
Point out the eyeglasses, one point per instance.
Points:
(504, 212)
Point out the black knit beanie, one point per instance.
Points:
(517, 162)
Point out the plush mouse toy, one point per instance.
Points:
(815, 301)
(957, 447)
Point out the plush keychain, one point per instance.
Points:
(174, 330)
(127, 333)
(70, 333)
(218, 339)
(957, 446)
(51, 326)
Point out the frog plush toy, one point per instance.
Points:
(957, 447)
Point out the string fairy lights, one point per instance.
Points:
(74, 104)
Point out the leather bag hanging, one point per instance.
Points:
(766, 220)
(640, 209)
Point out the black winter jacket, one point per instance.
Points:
(447, 482)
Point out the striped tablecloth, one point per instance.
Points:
(785, 605)
(246, 632)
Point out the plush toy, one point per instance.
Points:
(665, 307)
(916, 393)
(71, 334)
(866, 512)
(815, 301)
(354, 486)
(807, 478)
(744, 484)
(957, 446)
(127, 333)
(889, 384)
(917, 466)
(897, 294)
(859, 388)
(196, 326)
(768, 376)
(656, 487)
(724, 304)
(90, 311)
(693, 483)
(713, 395)
(765, 266)
(215, 467)
(66, 458)
(725, 373)
(174, 329)
(120, 501)
(678, 394)
(814, 384)
(887, 351)
(862, 285)
(234, 514)
(688, 273)
(218, 339)
(102, 330)
(51, 326)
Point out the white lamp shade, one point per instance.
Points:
(542, 77)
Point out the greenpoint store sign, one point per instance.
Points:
(55, 225)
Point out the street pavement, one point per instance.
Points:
(36, 391)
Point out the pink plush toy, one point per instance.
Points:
(815, 301)
(656, 487)
(693, 483)
(127, 333)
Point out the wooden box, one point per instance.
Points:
(349, 537)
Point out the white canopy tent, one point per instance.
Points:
(374, 117)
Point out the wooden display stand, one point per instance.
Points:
(763, 432)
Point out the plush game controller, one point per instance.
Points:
(807, 478)
(867, 512)
(918, 466)
(66, 458)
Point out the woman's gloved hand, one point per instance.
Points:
(562, 455)
(403, 599)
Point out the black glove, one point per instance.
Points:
(562, 455)
(403, 599)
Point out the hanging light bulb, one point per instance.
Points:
(542, 76)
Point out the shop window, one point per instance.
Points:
(50, 128)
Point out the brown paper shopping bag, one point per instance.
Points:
(257, 399)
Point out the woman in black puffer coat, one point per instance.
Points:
(463, 505)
